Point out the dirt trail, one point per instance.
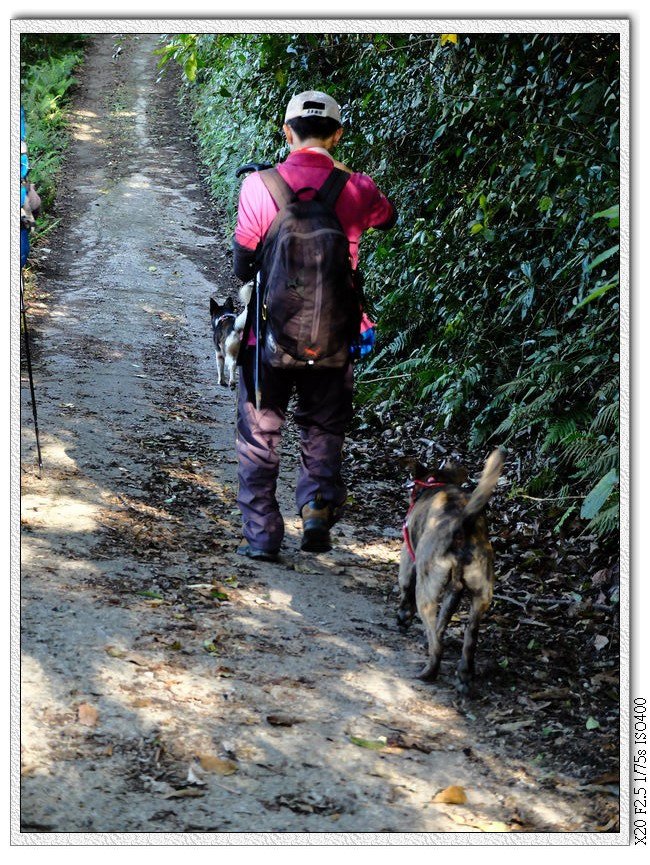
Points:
(167, 685)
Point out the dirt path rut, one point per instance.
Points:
(167, 685)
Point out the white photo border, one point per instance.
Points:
(352, 25)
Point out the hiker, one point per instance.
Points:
(30, 201)
(312, 127)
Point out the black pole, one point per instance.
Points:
(28, 358)
(258, 336)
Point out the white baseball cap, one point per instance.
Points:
(313, 103)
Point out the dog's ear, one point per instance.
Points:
(229, 305)
(414, 467)
(452, 473)
(214, 307)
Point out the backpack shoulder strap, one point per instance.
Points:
(333, 186)
(278, 188)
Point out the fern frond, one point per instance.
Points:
(559, 431)
(607, 418)
(606, 522)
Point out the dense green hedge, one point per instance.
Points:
(497, 293)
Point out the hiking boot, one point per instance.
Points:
(257, 554)
(317, 517)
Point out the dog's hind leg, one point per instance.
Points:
(231, 368)
(448, 607)
(478, 578)
(427, 591)
(232, 350)
(480, 603)
(406, 609)
(220, 363)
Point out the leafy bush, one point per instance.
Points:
(497, 294)
(47, 65)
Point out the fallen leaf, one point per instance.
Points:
(209, 763)
(185, 792)
(210, 647)
(611, 824)
(114, 652)
(608, 678)
(309, 803)
(88, 715)
(551, 694)
(514, 725)
(607, 778)
(410, 743)
(280, 720)
(592, 723)
(600, 642)
(453, 795)
(304, 569)
(195, 775)
(372, 744)
(600, 577)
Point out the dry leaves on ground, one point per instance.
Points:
(87, 715)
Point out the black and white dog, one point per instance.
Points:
(227, 329)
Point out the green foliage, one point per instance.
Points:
(182, 50)
(497, 294)
(47, 66)
(37, 47)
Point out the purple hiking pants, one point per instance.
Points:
(323, 413)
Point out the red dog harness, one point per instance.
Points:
(430, 483)
(224, 317)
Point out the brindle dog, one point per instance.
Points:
(447, 548)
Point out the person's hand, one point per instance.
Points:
(32, 202)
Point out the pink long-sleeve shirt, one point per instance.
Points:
(360, 205)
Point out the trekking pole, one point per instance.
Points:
(244, 169)
(258, 334)
(28, 358)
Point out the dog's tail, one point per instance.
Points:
(246, 292)
(485, 488)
